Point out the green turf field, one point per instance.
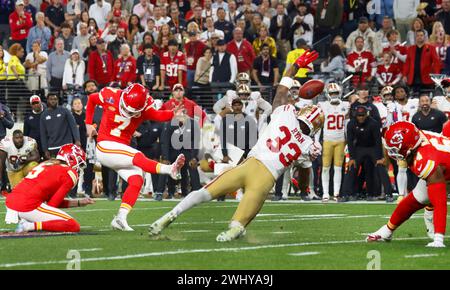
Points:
(284, 236)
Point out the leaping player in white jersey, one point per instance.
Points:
(335, 111)
(286, 139)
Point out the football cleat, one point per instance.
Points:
(436, 244)
(233, 233)
(21, 227)
(120, 224)
(176, 167)
(162, 223)
(384, 234)
(325, 198)
(428, 218)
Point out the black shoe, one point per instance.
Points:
(111, 197)
(222, 198)
(276, 198)
(389, 199)
(352, 198)
(341, 199)
(158, 196)
(371, 198)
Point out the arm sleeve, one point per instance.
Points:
(93, 100)
(233, 65)
(158, 115)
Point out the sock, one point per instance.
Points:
(311, 182)
(130, 195)
(146, 164)
(439, 238)
(192, 199)
(326, 181)
(235, 224)
(337, 180)
(403, 211)
(402, 181)
(59, 226)
(438, 197)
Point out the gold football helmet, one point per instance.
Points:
(333, 92)
(243, 91)
(242, 78)
(313, 117)
(385, 92)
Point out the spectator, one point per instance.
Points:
(266, 11)
(173, 66)
(149, 30)
(36, 63)
(364, 146)
(265, 70)
(242, 50)
(117, 9)
(428, 118)
(210, 30)
(381, 35)
(443, 15)
(93, 28)
(124, 68)
(363, 100)
(160, 17)
(3, 69)
(31, 124)
(335, 64)
(371, 42)
(15, 78)
(73, 12)
(219, 4)
(148, 68)
(361, 63)
(6, 9)
(92, 47)
(208, 10)
(440, 41)
(66, 35)
(194, 50)
(20, 23)
(73, 77)
(404, 13)
(57, 127)
(280, 30)
(55, 15)
(197, 18)
(327, 20)
(164, 32)
(101, 64)
(20, 155)
(114, 47)
(55, 65)
(397, 50)
(339, 40)
(144, 10)
(264, 38)
(421, 60)
(203, 67)
(416, 25)
(294, 55)
(223, 25)
(177, 24)
(6, 120)
(30, 9)
(134, 30)
(388, 73)
(303, 24)
(232, 12)
(146, 39)
(39, 31)
(99, 11)
(84, 18)
(81, 41)
(224, 66)
(247, 5)
(251, 33)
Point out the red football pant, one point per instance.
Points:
(58, 226)
(131, 194)
(438, 198)
(404, 211)
(146, 164)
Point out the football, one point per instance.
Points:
(311, 89)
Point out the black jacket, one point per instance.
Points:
(6, 122)
(367, 134)
(58, 127)
(285, 28)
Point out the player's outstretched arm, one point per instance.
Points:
(281, 96)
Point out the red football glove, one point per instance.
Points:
(305, 59)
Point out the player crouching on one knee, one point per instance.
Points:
(36, 200)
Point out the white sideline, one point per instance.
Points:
(421, 256)
(156, 254)
(304, 254)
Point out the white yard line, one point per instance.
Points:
(304, 254)
(88, 250)
(191, 251)
(196, 231)
(282, 233)
(421, 256)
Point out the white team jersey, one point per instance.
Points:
(282, 142)
(398, 112)
(382, 109)
(443, 104)
(15, 154)
(334, 125)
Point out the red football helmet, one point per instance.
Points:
(133, 100)
(400, 139)
(73, 155)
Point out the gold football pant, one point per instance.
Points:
(15, 177)
(333, 151)
(256, 181)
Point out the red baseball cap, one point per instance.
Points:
(176, 86)
(117, 13)
(35, 98)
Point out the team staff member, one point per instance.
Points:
(58, 127)
(32, 124)
(363, 100)
(428, 118)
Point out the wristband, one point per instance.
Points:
(287, 82)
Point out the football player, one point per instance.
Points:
(37, 199)
(428, 155)
(20, 154)
(335, 111)
(443, 102)
(286, 139)
(123, 112)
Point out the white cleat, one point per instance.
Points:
(233, 233)
(120, 224)
(176, 167)
(325, 198)
(21, 227)
(428, 218)
(436, 244)
(384, 234)
(162, 223)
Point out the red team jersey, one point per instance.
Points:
(113, 126)
(400, 49)
(47, 182)
(171, 66)
(431, 154)
(366, 61)
(389, 74)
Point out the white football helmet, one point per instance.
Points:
(333, 92)
(387, 94)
